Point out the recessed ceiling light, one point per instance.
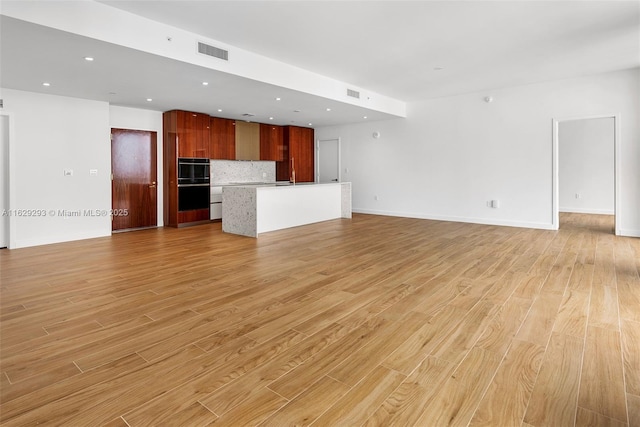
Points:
(270, 118)
(310, 124)
(364, 117)
(219, 110)
(277, 99)
(149, 99)
(205, 83)
(46, 84)
(328, 109)
(88, 58)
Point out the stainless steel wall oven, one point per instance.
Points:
(193, 184)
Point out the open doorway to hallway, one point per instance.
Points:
(586, 172)
(593, 223)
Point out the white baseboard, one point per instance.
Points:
(484, 221)
(49, 240)
(629, 233)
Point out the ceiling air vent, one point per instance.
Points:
(353, 93)
(216, 52)
(248, 115)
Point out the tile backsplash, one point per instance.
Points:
(236, 171)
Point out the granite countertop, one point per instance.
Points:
(229, 184)
(275, 184)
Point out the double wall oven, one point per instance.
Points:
(193, 184)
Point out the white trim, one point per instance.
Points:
(617, 174)
(471, 220)
(67, 237)
(629, 232)
(317, 156)
(555, 192)
(12, 181)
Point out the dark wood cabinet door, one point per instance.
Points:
(202, 136)
(193, 216)
(170, 167)
(305, 156)
(193, 134)
(222, 140)
(271, 142)
(301, 152)
(186, 134)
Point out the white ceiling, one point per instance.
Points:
(389, 47)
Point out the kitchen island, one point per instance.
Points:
(250, 210)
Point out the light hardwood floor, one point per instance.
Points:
(373, 321)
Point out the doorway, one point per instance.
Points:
(586, 168)
(133, 181)
(328, 160)
(4, 181)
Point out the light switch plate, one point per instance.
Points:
(93, 172)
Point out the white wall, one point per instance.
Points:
(586, 165)
(50, 134)
(148, 120)
(452, 155)
(4, 180)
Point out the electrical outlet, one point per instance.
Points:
(375, 197)
(578, 196)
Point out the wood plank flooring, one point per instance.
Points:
(374, 321)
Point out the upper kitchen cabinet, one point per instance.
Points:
(271, 143)
(191, 132)
(299, 153)
(222, 141)
(247, 141)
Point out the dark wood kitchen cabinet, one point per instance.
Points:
(191, 133)
(222, 138)
(298, 152)
(185, 134)
(271, 143)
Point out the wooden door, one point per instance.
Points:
(133, 187)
